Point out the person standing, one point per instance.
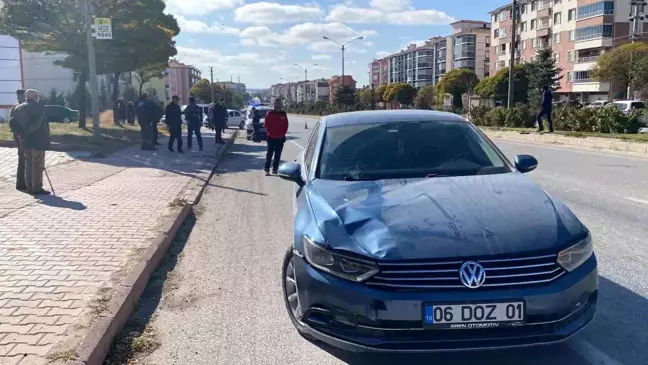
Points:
(30, 122)
(157, 113)
(276, 124)
(145, 113)
(130, 112)
(20, 172)
(173, 121)
(547, 102)
(194, 116)
(219, 119)
(256, 125)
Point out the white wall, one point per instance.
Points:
(10, 75)
(40, 73)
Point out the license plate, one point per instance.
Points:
(473, 315)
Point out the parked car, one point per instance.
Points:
(262, 110)
(60, 114)
(413, 232)
(598, 104)
(236, 119)
(627, 106)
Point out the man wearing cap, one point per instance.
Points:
(20, 173)
(29, 120)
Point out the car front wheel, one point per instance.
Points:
(291, 294)
(242, 125)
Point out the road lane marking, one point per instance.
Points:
(636, 200)
(591, 353)
(297, 144)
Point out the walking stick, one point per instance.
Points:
(50, 181)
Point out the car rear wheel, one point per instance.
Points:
(66, 120)
(291, 294)
(242, 125)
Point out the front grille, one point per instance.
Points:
(500, 273)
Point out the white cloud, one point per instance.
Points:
(199, 7)
(388, 11)
(381, 54)
(391, 5)
(196, 26)
(321, 57)
(307, 34)
(275, 13)
(248, 42)
(240, 63)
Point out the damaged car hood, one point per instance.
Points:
(441, 217)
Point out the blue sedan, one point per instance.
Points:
(414, 233)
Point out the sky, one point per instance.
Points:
(273, 41)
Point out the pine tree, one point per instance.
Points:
(543, 71)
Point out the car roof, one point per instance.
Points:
(390, 116)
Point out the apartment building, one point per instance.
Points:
(312, 91)
(468, 46)
(336, 81)
(578, 31)
(12, 74)
(179, 79)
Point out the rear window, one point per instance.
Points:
(407, 149)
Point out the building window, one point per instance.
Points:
(524, 43)
(523, 27)
(556, 38)
(570, 76)
(557, 18)
(596, 9)
(556, 57)
(502, 33)
(571, 15)
(570, 56)
(572, 35)
(593, 32)
(534, 43)
(523, 9)
(502, 16)
(533, 24)
(582, 76)
(533, 6)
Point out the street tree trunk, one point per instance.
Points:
(115, 96)
(81, 91)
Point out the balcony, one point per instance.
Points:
(543, 29)
(587, 59)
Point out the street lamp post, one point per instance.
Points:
(343, 48)
(306, 70)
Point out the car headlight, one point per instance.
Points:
(339, 265)
(574, 256)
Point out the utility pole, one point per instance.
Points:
(637, 15)
(513, 51)
(92, 68)
(343, 48)
(211, 82)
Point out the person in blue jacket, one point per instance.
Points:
(547, 102)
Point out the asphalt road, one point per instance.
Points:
(222, 302)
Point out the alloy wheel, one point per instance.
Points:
(292, 294)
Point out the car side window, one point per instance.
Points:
(237, 114)
(310, 148)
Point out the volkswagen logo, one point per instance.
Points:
(472, 274)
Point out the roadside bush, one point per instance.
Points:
(496, 117)
(520, 117)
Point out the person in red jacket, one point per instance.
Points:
(276, 125)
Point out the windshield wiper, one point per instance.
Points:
(436, 175)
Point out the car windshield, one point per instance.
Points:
(407, 150)
(262, 112)
(621, 106)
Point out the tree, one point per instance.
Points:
(624, 65)
(104, 98)
(380, 92)
(368, 97)
(405, 94)
(458, 82)
(201, 90)
(425, 98)
(55, 98)
(58, 26)
(496, 87)
(543, 71)
(146, 73)
(345, 95)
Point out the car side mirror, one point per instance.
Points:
(291, 171)
(525, 163)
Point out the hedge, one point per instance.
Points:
(565, 118)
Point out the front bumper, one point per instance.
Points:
(354, 317)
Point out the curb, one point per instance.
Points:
(95, 346)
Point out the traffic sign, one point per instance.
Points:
(103, 28)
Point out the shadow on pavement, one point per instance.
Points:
(58, 202)
(137, 338)
(620, 328)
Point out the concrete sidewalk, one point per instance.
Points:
(61, 258)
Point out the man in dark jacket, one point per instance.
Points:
(219, 119)
(146, 111)
(173, 121)
(194, 117)
(29, 121)
(130, 112)
(276, 125)
(20, 172)
(158, 112)
(256, 125)
(547, 102)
